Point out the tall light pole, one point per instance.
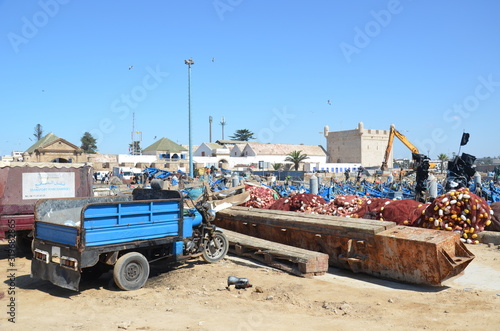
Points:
(189, 63)
(210, 119)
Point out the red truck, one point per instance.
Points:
(22, 184)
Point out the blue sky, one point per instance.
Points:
(430, 67)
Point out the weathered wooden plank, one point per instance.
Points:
(298, 261)
(228, 191)
(304, 222)
(378, 225)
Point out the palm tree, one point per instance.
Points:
(277, 166)
(442, 157)
(296, 157)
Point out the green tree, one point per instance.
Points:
(442, 157)
(296, 157)
(242, 135)
(277, 166)
(88, 143)
(38, 134)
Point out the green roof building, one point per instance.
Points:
(166, 149)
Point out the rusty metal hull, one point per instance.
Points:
(378, 248)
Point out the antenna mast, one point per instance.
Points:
(223, 123)
(210, 119)
(135, 148)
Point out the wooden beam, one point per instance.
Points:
(297, 261)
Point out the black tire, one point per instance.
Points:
(211, 253)
(131, 271)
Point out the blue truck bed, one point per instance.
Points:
(113, 223)
(89, 222)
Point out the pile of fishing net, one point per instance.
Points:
(346, 205)
(260, 197)
(302, 202)
(460, 211)
(495, 218)
(402, 212)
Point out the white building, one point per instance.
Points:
(14, 156)
(211, 150)
(254, 155)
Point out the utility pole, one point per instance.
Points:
(189, 63)
(223, 123)
(135, 148)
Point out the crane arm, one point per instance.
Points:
(393, 132)
(405, 141)
(388, 150)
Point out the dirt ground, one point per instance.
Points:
(193, 296)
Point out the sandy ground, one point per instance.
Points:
(193, 296)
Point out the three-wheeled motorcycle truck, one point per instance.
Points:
(75, 237)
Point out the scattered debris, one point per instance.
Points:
(239, 283)
(124, 325)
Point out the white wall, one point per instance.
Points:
(125, 158)
(255, 160)
(332, 167)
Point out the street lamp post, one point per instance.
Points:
(189, 63)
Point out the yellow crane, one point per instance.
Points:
(393, 132)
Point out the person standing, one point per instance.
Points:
(360, 173)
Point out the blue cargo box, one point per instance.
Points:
(114, 223)
(88, 222)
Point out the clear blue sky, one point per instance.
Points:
(430, 67)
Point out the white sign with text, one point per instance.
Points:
(44, 185)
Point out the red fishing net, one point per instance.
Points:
(260, 197)
(458, 210)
